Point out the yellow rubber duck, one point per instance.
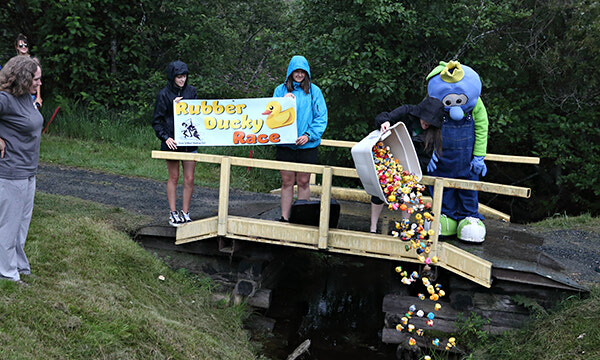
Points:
(278, 118)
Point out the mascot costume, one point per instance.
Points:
(464, 145)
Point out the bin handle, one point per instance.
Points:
(386, 134)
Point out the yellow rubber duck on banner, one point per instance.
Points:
(278, 118)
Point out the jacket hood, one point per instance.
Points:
(430, 110)
(176, 68)
(298, 62)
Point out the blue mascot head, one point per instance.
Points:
(457, 86)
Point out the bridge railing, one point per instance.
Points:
(338, 240)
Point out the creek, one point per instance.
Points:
(335, 301)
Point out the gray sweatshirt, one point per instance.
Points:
(21, 129)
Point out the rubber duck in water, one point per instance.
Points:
(277, 118)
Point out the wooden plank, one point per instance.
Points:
(344, 172)
(513, 159)
(224, 196)
(361, 243)
(465, 264)
(488, 157)
(360, 195)
(399, 304)
(491, 213)
(325, 206)
(239, 161)
(276, 165)
(341, 241)
(196, 230)
(481, 186)
(171, 155)
(274, 230)
(438, 192)
(338, 143)
(501, 312)
(488, 187)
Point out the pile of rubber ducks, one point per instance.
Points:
(404, 193)
(400, 187)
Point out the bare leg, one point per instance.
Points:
(173, 168)
(188, 184)
(287, 192)
(303, 181)
(375, 212)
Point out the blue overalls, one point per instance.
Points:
(458, 138)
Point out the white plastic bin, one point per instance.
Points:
(401, 147)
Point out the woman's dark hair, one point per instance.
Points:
(433, 138)
(305, 84)
(22, 38)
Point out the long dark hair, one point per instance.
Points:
(305, 84)
(433, 139)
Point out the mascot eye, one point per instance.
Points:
(455, 99)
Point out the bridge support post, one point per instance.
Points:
(438, 192)
(325, 208)
(224, 196)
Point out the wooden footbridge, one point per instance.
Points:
(324, 238)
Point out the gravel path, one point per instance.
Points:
(144, 196)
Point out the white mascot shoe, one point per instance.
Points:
(471, 229)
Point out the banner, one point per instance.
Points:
(264, 121)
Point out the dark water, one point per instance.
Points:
(335, 301)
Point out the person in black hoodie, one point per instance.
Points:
(424, 124)
(163, 123)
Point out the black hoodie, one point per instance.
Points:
(430, 110)
(162, 122)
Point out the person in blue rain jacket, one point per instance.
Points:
(311, 122)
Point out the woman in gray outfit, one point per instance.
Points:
(20, 132)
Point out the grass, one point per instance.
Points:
(570, 332)
(584, 222)
(95, 294)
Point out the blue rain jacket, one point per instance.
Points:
(311, 110)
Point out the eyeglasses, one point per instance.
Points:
(23, 45)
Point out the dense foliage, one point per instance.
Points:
(535, 59)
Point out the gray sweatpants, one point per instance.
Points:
(16, 207)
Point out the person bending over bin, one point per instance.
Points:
(423, 122)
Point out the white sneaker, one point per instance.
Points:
(185, 217)
(175, 219)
